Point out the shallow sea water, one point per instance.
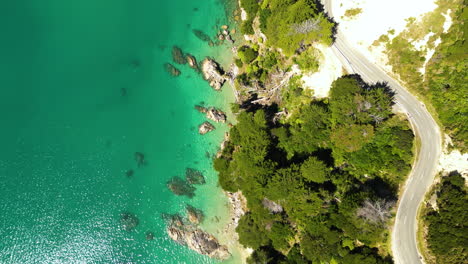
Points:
(82, 88)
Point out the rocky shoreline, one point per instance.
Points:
(187, 230)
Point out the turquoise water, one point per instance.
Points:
(69, 132)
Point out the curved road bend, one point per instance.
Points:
(404, 245)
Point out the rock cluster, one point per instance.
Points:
(224, 34)
(192, 61)
(197, 240)
(213, 73)
(205, 127)
(212, 113)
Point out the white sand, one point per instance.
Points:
(453, 160)
(330, 69)
(448, 20)
(376, 19)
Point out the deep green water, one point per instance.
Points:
(68, 134)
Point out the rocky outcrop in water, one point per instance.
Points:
(205, 128)
(212, 113)
(213, 73)
(197, 240)
(192, 61)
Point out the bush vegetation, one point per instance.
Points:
(447, 225)
(444, 81)
(315, 165)
(288, 24)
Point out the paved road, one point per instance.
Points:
(404, 245)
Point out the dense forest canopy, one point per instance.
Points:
(321, 183)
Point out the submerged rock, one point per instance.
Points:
(140, 159)
(202, 35)
(149, 235)
(194, 176)
(213, 73)
(171, 69)
(205, 128)
(198, 240)
(178, 55)
(194, 215)
(181, 187)
(129, 173)
(128, 221)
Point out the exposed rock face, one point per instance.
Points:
(212, 113)
(198, 240)
(192, 61)
(213, 73)
(216, 115)
(273, 207)
(205, 128)
(223, 145)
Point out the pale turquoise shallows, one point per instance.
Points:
(82, 88)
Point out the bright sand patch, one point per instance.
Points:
(376, 19)
(330, 69)
(453, 160)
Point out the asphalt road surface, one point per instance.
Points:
(404, 245)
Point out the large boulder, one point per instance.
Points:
(216, 115)
(273, 207)
(205, 127)
(213, 73)
(192, 61)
